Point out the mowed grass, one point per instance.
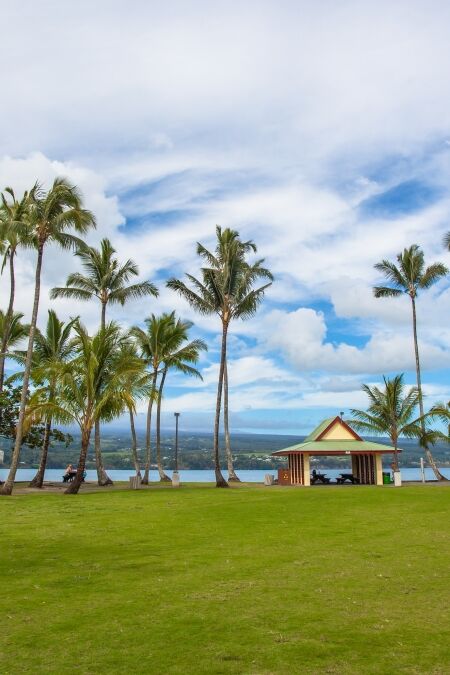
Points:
(246, 580)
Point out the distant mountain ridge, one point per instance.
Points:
(252, 451)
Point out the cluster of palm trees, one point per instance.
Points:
(87, 379)
(392, 410)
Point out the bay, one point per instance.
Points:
(206, 476)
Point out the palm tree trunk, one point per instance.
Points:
(220, 480)
(231, 473)
(428, 452)
(137, 466)
(103, 316)
(73, 487)
(39, 477)
(148, 431)
(8, 317)
(7, 488)
(162, 475)
(396, 466)
(102, 477)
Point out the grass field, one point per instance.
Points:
(247, 580)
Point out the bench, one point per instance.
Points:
(70, 477)
(340, 480)
(322, 477)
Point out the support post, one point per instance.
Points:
(422, 470)
(306, 470)
(378, 470)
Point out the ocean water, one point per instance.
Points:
(206, 476)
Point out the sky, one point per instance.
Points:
(319, 130)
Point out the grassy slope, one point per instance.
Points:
(248, 580)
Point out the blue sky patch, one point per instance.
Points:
(400, 200)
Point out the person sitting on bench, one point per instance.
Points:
(319, 476)
(70, 474)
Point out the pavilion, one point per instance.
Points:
(334, 437)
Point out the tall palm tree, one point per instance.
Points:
(227, 288)
(409, 276)
(177, 355)
(392, 412)
(106, 279)
(93, 385)
(14, 232)
(51, 216)
(52, 348)
(151, 345)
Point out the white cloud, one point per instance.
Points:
(301, 336)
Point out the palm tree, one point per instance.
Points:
(51, 348)
(408, 277)
(139, 386)
(106, 279)
(232, 476)
(15, 330)
(14, 232)
(391, 412)
(176, 356)
(93, 385)
(12, 332)
(441, 411)
(151, 344)
(51, 215)
(227, 289)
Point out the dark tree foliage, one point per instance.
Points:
(9, 406)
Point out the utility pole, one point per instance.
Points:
(177, 415)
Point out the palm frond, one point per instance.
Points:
(432, 274)
(386, 292)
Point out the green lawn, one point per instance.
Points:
(246, 580)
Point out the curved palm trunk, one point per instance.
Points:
(162, 475)
(220, 480)
(39, 477)
(231, 473)
(148, 431)
(102, 477)
(8, 318)
(7, 488)
(428, 452)
(73, 487)
(134, 454)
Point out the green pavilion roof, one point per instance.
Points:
(343, 440)
(319, 429)
(331, 447)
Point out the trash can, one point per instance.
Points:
(386, 478)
